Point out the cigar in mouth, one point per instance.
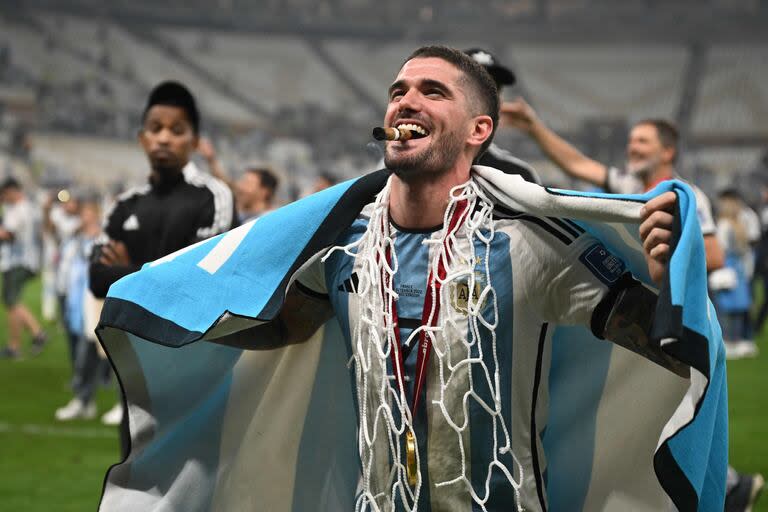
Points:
(401, 134)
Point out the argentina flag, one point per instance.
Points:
(218, 428)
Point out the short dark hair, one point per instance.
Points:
(483, 88)
(730, 193)
(329, 177)
(267, 179)
(174, 94)
(10, 183)
(669, 136)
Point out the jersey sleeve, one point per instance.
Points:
(100, 276)
(14, 219)
(618, 181)
(704, 213)
(217, 215)
(565, 283)
(113, 222)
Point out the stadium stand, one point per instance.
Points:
(570, 84)
(264, 94)
(287, 72)
(734, 96)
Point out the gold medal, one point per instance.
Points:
(410, 458)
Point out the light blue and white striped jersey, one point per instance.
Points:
(544, 271)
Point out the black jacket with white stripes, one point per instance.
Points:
(155, 220)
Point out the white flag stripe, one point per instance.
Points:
(225, 248)
(174, 255)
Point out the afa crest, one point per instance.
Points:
(460, 296)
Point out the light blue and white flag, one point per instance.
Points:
(217, 428)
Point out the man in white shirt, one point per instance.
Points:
(19, 261)
(651, 156)
(255, 193)
(61, 221)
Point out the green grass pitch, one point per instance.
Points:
(46, 465)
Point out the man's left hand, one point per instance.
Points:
(115, 253)
(656, 233)
(206, 149)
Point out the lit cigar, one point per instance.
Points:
(395, 134)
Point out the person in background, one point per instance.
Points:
(180, 205)
(89, 364)
(19, 262)
(736, 231)
(207, 150)
(761, 257)
(323, 181)
(730, 285)
(494, 156)
(61, 222)
(652, 150)
(255, 193)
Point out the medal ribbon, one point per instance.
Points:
(429, 314)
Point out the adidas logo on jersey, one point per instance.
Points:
(131, 223)
(350, 285)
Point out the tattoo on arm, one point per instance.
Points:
(629, 324)
(300, 317)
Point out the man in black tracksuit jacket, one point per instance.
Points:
(160, 218)
(179, 206)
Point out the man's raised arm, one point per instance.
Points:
(521, 115)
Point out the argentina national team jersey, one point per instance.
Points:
(543, 270)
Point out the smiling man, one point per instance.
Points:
(433, 268)
(467, 305)
(652, 150)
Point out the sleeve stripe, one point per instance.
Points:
(222, 201)
(135, 191)
(540, 489)
(565, 227)
(566, 237)
(574, 225)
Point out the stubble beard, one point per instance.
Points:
(432, 161)
(644, 168)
